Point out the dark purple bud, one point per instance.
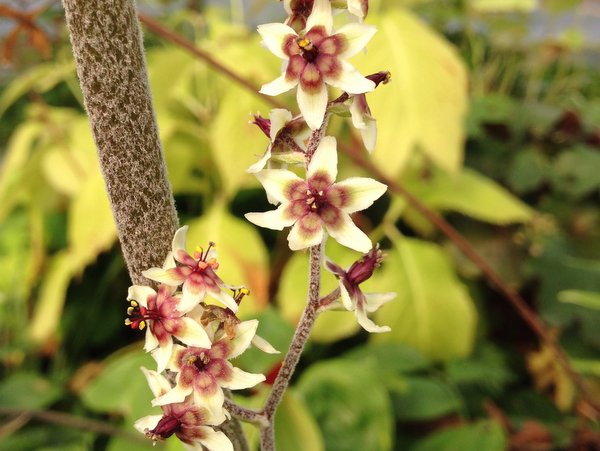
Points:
(263, 123)
(363, 269)
(166, 427)
(380, 77)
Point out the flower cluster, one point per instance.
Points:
(316, 205)
(192, 341)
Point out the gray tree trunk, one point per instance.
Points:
(108, 49)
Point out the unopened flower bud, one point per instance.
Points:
(363, 269)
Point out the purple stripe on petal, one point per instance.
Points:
(297, 209)
(296, 190)
(295, 67)
(220, 369)
(184, 258)
(289, 46)
(338, 196)
(316, 35)
(320, 181)
(329, 66)
(333, 45)
(187, 376)
(331, 216)
(220, 350)
(205, 384)
(309, 225)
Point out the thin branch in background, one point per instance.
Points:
(73, 421)
(533, 321)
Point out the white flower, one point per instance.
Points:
(364, 121)
(316, 59)
(318, 202)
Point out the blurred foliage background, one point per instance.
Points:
(491, 120)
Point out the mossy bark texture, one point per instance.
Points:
(107, 44)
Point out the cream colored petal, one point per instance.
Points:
(158, 384)
(179, 239)
(150, 342)
(362, 191)
(264, 345)
(176, 395)
(147, 423)
(369, 135)
(140, 294)
(321, 15)
(244, 332)
(225, 299)
(346, 299)
(279, 117)
(350, 80)
(169, 261)
(276, 182)
(347, 234)
(274, 36)
(215, 441)
(260, 164)
(214, 402)
(313, 106)
(369, 325)
(356, 7)
(358, 36)
(278, 86)
(376, 300)
(241, 380)
(325, 159)
(163, 276)
(193, 334)
(274, 219)
(173, 363)
(162, 355)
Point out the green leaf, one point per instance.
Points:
(28, 391)
(242, 254)
(528, 170)
(390, 358)
(576, 172)
(424, 399)
(433, 311)
(50, 303)
(121, 387)
(425, 104)
(91, 227)
(295, 427)
(481, 436)
(350, 405)
(472, 194)
(587, 299)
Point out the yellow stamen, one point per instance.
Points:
(245, 291)
(305, 44)
(142, 325)
(127, 322)
(129, 310)
(134, 303)
(388, 78)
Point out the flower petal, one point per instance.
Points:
(346, 233)
(278, 86)
(192, 292)
(212, 401)
(260, 164)
(176, 395)
(321, 15)
(376, 300)
(241, 380)
(158, 384)
(359, 8)
(369, 135)
(166, 276)
(367, 324)
(162, 354)
(350, 80)
(140, 294)
(264, 345)
(215, 441)
(313, 105)
(361, 193)
(179, 239)
(274, 36)
(279, 117)
(147, 423)
(357, 37)
(307, 232)
(324, 159)
(278, 183)
(346, 299)
(244, 332)
(193, 334)
(150, 342)
(225, 299)
(274, 219)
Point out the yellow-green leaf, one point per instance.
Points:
(295, 427)
(425, 104)
(433, 311)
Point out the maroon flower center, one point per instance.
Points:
(199, 361)
(308, 50)
(316, 200)
(166, 427)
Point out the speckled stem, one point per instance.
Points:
(108, 49)
(107, 45)
(267, 435)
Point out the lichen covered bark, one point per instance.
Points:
(107, 45)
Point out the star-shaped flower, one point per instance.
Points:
(316, 59)
(164, 314)
(190, 423)
(352, 297)
(318, 203)
(197, 273)
(206, 371)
